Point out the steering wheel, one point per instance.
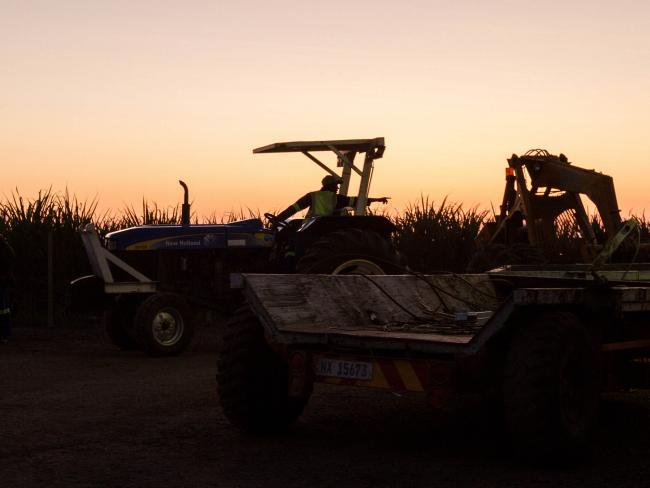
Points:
(275, 222)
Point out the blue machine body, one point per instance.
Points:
(245, 234)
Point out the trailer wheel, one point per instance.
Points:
(352, 251)
(164, 323)
(252, 380)
(551, 388)
(118, 322)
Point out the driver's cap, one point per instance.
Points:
(331, 180)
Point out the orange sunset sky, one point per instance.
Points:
(120, 99)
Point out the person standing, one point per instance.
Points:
(7, 258)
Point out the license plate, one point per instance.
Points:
(339, 368)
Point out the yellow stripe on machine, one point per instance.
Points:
(145, 245)
(378, 378)
(407, 373)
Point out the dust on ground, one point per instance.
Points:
(77, 412)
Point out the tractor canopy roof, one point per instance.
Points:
(357, 145)
(345, 151)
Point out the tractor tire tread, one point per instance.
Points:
(352, 242)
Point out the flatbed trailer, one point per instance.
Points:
(541, 344)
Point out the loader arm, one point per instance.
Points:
(561, 175)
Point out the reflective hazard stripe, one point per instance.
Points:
(5, 311)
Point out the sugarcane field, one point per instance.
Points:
(332, 244)
(438, 337)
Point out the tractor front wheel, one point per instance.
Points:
(164, 324)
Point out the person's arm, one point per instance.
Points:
(301, 204)
(343, 201)
(346, 201)
(383, 200)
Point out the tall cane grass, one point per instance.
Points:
(432, 237)
(28, 225)
(437, 237)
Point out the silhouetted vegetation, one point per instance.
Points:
(437, 237)
(28, 224)
(433, 237)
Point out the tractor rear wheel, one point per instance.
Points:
(252, 380)
(551, 388)
(352, 251)
(164, 324)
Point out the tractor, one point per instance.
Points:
(155, 281)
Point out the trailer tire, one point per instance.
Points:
(118, 323)
(352, 251)
(252, 380)
(164, 323)
(551, 388)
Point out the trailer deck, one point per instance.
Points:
(524, 341)
(439, 314)
(423, 312)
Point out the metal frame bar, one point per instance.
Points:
(526, 203)
(99, 259)
(319, 163)
(346, 172)
(346, 161)
(364, 184)
(348, 166)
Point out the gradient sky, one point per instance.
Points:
(120, 99)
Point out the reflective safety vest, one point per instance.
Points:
(323, 203)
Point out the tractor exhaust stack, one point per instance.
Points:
(185, 209)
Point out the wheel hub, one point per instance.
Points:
(167, 327)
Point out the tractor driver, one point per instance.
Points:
(326, 201)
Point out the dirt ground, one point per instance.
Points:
(77, 412)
